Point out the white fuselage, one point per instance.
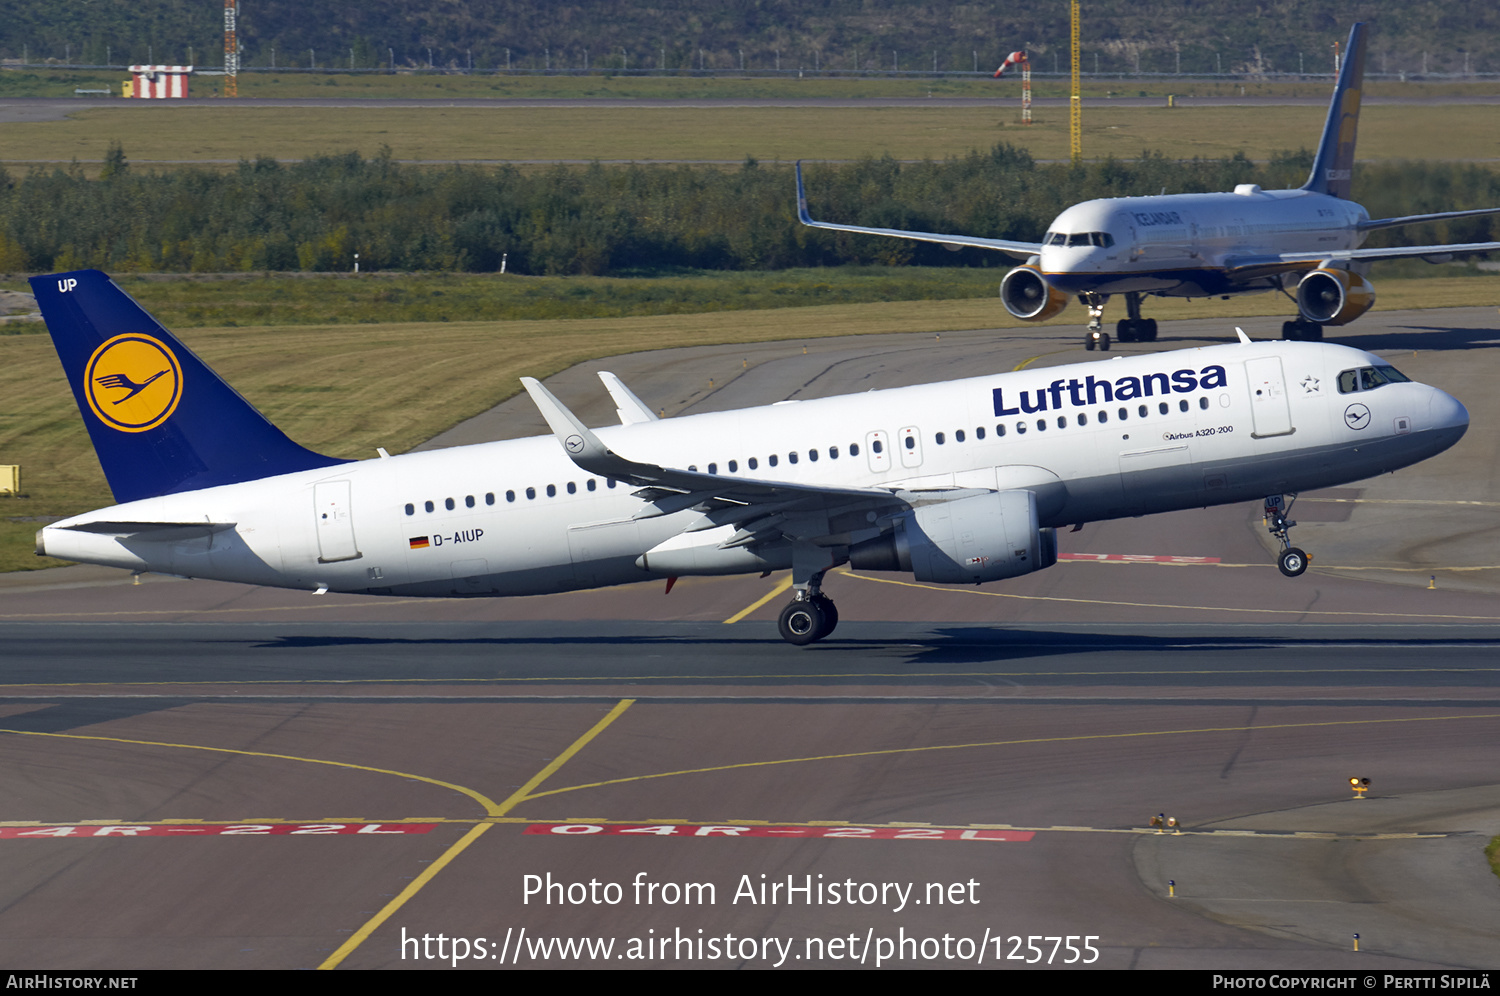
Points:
(1098, 440)
(1179, 244)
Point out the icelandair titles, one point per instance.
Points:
(1092, 390)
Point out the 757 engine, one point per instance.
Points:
(1027, 295)
(984, 538)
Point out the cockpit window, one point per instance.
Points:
(1369, 378)
(1101, 239)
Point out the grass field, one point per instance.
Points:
(160, 131)
(422, 85)
(345, 389)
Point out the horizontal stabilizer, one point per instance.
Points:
(166, 531)
(1417, 219)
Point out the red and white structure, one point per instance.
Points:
(1023, 60)
(159, 81)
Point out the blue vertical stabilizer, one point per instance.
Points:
(161, 421)
(1333, 170)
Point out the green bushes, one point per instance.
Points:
(597, 220)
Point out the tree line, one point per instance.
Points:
(316, 214)
(1124, 35)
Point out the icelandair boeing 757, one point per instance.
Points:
(1304, 242)
(960, 482)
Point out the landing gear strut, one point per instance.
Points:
(1291, 561)
(811, 616)
(1134, 328)
(1097, 336)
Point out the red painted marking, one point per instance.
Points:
(214, 829)
(1136, 558)
(827, 833)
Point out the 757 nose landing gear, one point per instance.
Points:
(1096, 337)
(1291, 561)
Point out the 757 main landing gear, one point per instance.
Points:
(1291, 561)
(811, 615)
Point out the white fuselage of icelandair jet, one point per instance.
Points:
(1082, 442)
(1183, 245)
(1203, 245)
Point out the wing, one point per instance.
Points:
(1022, 250)
(760, 510)
(1250, 267)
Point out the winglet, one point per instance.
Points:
(630, 409)
(802, 214)
(1244, 339)
(578, 440)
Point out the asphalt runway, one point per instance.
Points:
(954, 778)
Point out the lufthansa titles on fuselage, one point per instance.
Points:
(1091, 390)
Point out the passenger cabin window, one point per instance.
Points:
(448, 504)
(812, 455)
(468, 501)
(572, 488)
(427, 505)
(411, 509)
(552, 491)
(940, 439)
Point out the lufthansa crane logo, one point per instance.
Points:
(1357, 416)
(133, 382)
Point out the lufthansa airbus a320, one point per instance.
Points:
(961, 482)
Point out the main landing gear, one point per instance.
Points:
(811, 615)
(1132, 328)
(1291, 561)
(1301, 329)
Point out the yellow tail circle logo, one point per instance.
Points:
(133, 382)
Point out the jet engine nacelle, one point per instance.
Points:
(1334, 297)
(1027, 295)
(984, 538)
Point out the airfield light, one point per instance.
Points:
(1360, 786)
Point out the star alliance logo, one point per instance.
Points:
(1310, 384)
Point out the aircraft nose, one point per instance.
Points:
(1444, 411)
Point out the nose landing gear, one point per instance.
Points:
(1291, 561)
(1096, 336)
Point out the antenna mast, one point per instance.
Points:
(1075, 105)
(231, 49)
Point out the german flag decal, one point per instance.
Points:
(419, 543)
